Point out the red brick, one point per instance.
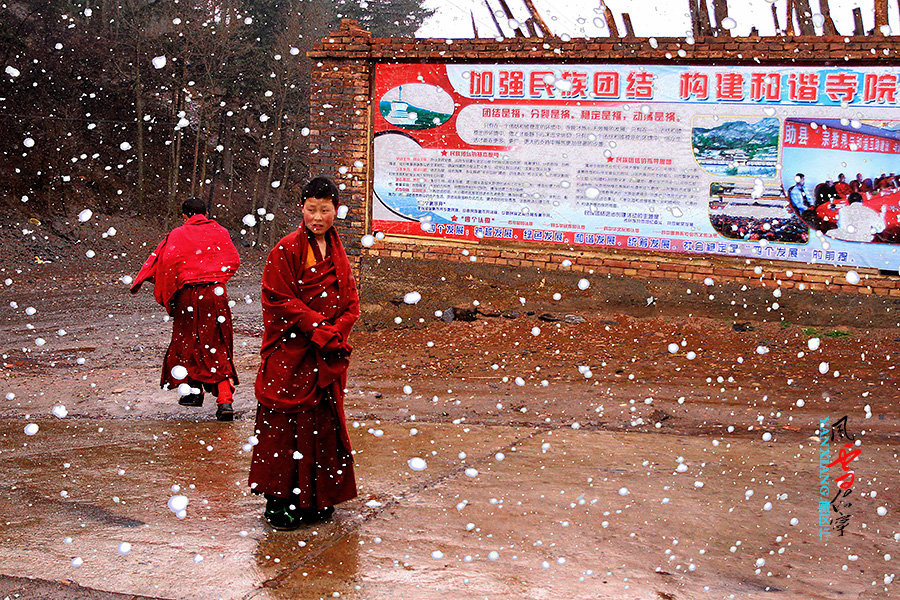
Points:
(671, 267)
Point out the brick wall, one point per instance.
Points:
(340, 128)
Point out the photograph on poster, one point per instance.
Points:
(416, 106)
(849, 176)
(736, 146)
(745, 211)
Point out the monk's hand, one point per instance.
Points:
(327, 338)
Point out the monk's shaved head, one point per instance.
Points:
(193, 206)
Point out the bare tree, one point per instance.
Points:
(287, 107)
(694, 11)
(511, 19)
(828, 26)
(881, 15)
(211, 53)
(804, 17)
(720, 10)
(177, 103)
(610, 22)
(538, 19)
(778, 29)
(139, 121)
(195, 185)
(494, 18)
(701, 22)
(126, 32)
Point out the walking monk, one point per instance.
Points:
(302, 461)
(189, 270)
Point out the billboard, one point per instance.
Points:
(686, 159)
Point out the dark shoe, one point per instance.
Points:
(311, 515)
(191, 399)
(282, 520)
(279, 516)
(225, 412)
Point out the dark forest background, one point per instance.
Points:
(90, 117)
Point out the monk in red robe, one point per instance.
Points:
(303, 462)
(189, 270)
(842, 188)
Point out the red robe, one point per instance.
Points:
(200, 251)
(189, 270)
(310, 304)
(202, 338)
(843, 189)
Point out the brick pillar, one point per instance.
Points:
(339, 124)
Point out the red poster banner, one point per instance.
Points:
(803, 135)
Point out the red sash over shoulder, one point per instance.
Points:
(309, 307)
(200, 251)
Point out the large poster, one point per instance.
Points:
(789, 163)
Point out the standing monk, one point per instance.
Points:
(302, 461)
(189, 270)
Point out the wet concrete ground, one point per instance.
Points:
(569, 490)
(527, 513)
